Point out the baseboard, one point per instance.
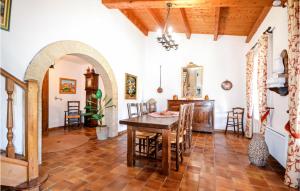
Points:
(122, 132)
(55, 128)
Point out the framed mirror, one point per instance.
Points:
(192, 81)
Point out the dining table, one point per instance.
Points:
(151, 123)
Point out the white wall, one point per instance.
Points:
(277, 18)
(34, 24)
(222, 60)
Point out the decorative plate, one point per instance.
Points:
(226, 85)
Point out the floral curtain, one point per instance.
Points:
(292, 174)
(249, 81)
(262, 79)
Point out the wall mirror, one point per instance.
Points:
(192, 81)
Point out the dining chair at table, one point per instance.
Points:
(146, 140)
(177, 135)
(144, 108)
(189, 125)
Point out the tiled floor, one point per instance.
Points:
(216, 162)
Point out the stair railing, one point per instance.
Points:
(31, 121)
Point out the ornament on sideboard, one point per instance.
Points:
(175, 97)
(206, 98)
(226, 85)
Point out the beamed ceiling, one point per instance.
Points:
(216, 17)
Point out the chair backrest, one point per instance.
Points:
(238, 111)
(133, 110)
(183, 116)
(73, 107)
(190, 116)
(152, 107)
(144, 109)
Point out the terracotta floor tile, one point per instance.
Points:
(214, 163)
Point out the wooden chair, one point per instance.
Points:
(152, 106)
(177, 136)
(235, 118)
(145, 139)
(189, 126)
(144, 108)
(73, 114)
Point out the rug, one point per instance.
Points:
(62, 142)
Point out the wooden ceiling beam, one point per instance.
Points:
(186, 23)
(217, 22)
(143, 4)
(258, 22)
(155, 17)
(132, 17)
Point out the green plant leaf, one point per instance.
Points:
(87, 114)
(108, 102)
(90, 107)
(99, 94)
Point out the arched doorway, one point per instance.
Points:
(48, 55)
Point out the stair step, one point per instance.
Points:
(31, 185)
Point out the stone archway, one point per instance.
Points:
(52, 52)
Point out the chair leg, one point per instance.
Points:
(65, 124)
(177, 158)
(238, 126)
(243, 128)
(140, 147)
(234, 125)
(226, 125)
(148, 147)
(181, 157)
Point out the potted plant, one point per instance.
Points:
(95, 108)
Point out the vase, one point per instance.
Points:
(102, 132)
(258, 151)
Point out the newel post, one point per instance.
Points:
(31, 132)
(10, 149)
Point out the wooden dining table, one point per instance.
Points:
(148, 123)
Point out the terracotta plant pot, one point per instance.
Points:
(102, 132)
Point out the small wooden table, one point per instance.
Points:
(150, 124)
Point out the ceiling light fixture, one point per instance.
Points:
(165, 35)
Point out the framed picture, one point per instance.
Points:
(130, 86)
(5, 6)
(67, 86)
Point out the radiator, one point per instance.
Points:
(277, 144)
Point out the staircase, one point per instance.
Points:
(21, 170)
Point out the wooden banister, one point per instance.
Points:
(7, 75)
(31, 122)
(31, 132)
(10, 149)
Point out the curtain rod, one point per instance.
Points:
(268, 30)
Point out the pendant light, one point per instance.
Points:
(165, 35)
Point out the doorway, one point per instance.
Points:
(51, 53)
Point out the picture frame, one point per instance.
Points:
(5, 10)
(130, 86)
(67, 86)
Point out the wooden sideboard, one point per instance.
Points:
(203, 113)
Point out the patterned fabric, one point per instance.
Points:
(249, 79)
(292, 174)
(262, 78)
